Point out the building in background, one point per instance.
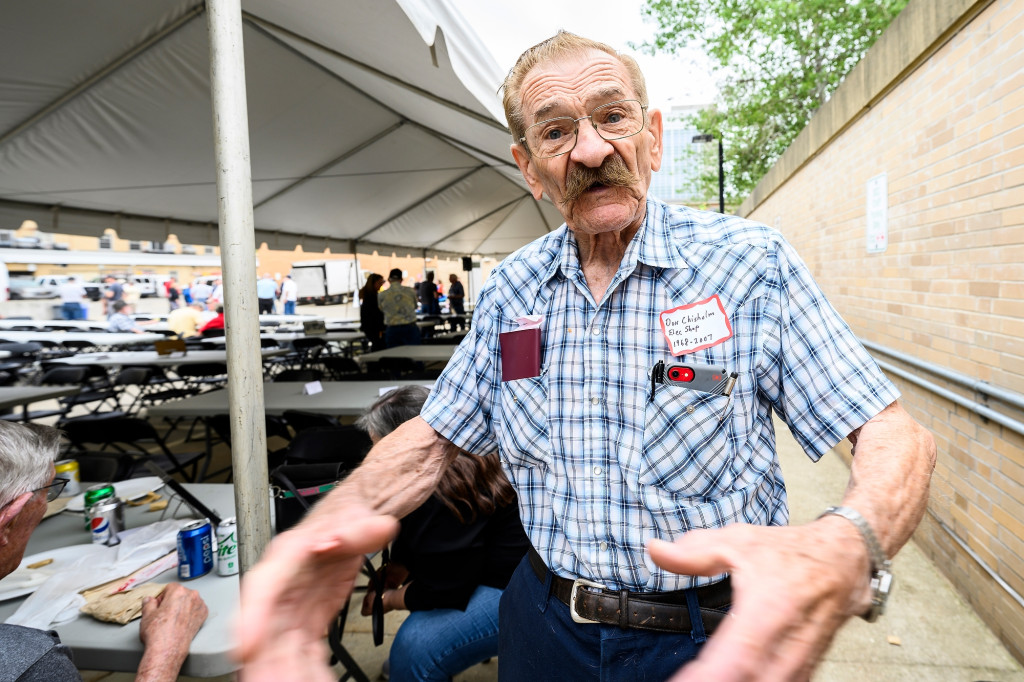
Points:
(682, 161)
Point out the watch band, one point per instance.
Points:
(881, 576)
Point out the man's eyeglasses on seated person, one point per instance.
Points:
(53, 490)
(557, 136)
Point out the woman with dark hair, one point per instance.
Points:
(371, 318)
(451, 560)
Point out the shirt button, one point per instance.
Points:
(597, 471)
(691, 409)
(604, 546)
(595, 400)
(596, 331)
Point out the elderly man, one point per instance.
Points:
(169, 622)
(638, 435)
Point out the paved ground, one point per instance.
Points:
(929, 634)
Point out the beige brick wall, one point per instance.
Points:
(950, 288)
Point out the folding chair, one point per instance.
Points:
(342, 369)
(303, 375)
(303, 421)
(135, 437)
(345, 444)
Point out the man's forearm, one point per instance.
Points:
(892, 466)
(399, 473)
(161, 665)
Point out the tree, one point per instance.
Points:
(777, 62)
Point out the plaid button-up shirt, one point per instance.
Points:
(600, 463)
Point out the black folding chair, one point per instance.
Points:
(346, 444)
(135, 437)
(303, 375)
(299, 420)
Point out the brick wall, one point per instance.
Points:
(949, 134)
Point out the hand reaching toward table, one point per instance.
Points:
(298, 586)
(169, 623)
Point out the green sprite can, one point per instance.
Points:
(94, 495)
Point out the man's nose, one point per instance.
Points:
(591, 149)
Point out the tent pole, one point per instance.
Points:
(238, 262)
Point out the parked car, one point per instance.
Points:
(30, 289)
(93, 291)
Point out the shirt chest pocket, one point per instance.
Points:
(686, 442)
(525, 438)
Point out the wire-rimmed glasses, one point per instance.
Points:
(612, 121)
(53, 490)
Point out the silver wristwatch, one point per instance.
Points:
(881, 576)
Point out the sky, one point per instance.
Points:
(508, 27)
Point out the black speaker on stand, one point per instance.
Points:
(467, 263)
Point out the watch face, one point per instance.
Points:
(881, 585)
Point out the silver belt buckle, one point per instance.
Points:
(576, 584)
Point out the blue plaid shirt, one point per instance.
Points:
(599, 463)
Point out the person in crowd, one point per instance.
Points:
(112, 293)
(173, 295)
(266, 292)
(201, 292)
(121, 320)
(289, 295)
(451, 560)
(398, 303)
(131, 292)
(169, 621)
(655, 506)
(427, 292)
(186, 293)
(72, 299)
(216, 294)
(371, 318)
(456, 295)
(216, 323)
(186, 320)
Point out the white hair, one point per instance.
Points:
(26, 453)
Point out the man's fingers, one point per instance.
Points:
(299, 581)
(699, 552)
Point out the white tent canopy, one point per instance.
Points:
(374, 125)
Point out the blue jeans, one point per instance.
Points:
(289, 307)
(71, 311)
(402, 335)
(437, 644)
(540, 641)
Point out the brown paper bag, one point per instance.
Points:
(122, 607)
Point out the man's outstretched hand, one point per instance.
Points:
(295, 590)
(793, 587)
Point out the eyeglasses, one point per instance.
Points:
(53, 490)
(557, 136)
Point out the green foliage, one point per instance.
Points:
(777, 62)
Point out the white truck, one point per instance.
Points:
(327, 281)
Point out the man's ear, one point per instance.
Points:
(9, 513)
(525, 162)
(656, 129)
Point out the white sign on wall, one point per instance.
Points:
(877, 214)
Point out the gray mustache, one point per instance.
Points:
(613, 173)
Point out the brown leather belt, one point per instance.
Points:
(657, 611)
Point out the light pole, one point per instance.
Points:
(708, 137)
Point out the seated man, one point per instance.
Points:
(185, 321)
(121, 320)
(169, 622)
(217, 323)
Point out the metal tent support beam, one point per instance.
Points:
(454, 106)
(473, 222)
(430, 195)
(95, 78)
(343, 156)
(237, 241)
